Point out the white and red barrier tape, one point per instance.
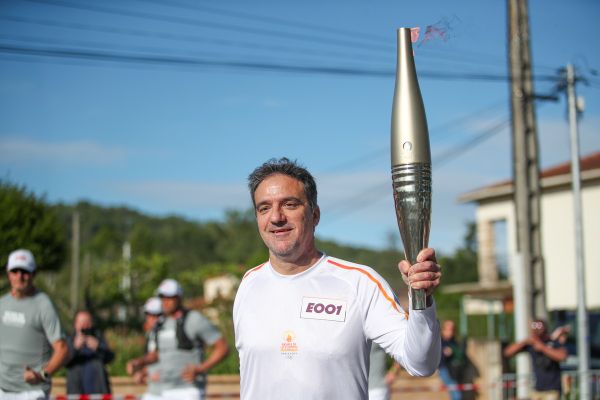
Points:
(235, 395)
(95, 397)
(463, 387)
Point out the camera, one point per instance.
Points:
(87, 331)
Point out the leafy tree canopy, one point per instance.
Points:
(26, 221)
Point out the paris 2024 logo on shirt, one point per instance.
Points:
(289, 347)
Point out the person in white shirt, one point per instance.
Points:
(305, 321)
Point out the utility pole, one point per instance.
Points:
(75, 262)
(126, 280)
(528, 268)
(525, 158)
(582, 319)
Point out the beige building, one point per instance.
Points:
(495, 208)
(222, 286)
(492, 295)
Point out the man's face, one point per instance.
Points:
(538, 328)
(448, 329)
(83, 320)
(21, 281)
(285, 220)
(169, 304)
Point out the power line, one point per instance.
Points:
(279, 21)
(451, 154)
(313, 27)
(372, 194)
(248, 65)
(186, 61)
(364, 198)
(195, 39)
(452, 57)
(435, 131)
(197, 23)
(376, 46)
(358, 160)
(94, 46)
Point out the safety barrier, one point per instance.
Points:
(505, 390)
(570, 384)
(464, 387)
(233, 395)
(95, 397)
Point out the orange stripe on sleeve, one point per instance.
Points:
(372, 278)
(254, 270)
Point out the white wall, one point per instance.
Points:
(558, 244)
(558, 236)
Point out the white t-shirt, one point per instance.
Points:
(308, 336)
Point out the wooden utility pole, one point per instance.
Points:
(527, 187)
(75, 263)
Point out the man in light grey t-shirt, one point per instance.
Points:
(33, 344)
(380, 378)
(181, 337)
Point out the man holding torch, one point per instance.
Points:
(305, 321)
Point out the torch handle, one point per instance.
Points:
(418, 299)
(412, 200)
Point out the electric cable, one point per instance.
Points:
(241, 64)
(372, 194)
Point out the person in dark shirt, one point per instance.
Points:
(546, 354)
(452, 359)
(86, 372)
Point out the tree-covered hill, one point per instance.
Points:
(114, 287)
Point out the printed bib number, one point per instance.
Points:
(325, 309)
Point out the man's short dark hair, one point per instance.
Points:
(284, 166)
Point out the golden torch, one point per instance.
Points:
(411, 160)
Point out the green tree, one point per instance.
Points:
(240, 241)
(26, 221)
(462, 265)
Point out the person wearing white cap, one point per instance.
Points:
(149, 375)
(181, 336)
(32, 345)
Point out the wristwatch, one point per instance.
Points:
(45, 375)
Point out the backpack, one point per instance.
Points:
(183, 341)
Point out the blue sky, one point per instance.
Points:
(174, 138)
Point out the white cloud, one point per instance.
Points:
(185, 195)
(23, 150)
